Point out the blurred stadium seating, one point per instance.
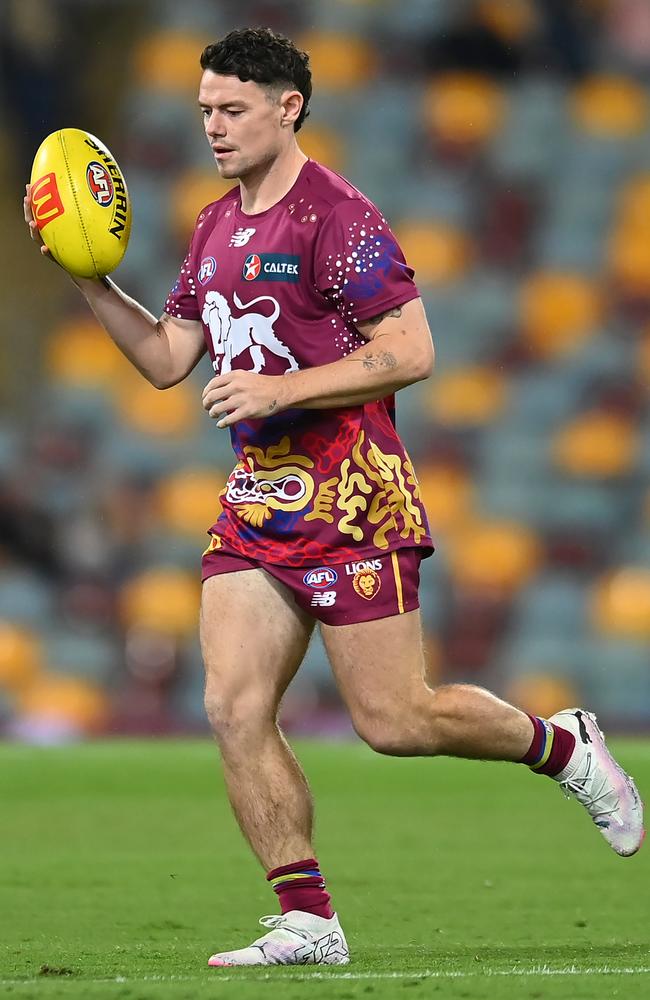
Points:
(515, 174)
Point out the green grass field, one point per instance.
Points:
(122, 870)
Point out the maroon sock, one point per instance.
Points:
(300, 886)
(551, 748)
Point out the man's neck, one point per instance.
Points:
(267, 188)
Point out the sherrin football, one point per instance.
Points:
(80, 203)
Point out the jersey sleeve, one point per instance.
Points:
(358, 264)
(182, 301)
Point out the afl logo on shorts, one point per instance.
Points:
(320, 578)
(252, 267)
(207, 269)
(367, 583)
(100, 183)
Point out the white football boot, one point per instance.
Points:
(594, 778)
(295, 938)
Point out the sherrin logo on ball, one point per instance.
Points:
(80, 203)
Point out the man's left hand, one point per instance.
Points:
(240, 395)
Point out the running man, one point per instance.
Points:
(295, 285)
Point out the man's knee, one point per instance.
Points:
(236, 715)
(396, 731)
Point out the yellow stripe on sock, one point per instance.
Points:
(547, 751)
(398, 583)
(289, 878)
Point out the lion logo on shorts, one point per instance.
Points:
(367, 583)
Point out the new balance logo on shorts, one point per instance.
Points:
(323, 599)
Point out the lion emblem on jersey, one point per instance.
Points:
(232, 335)
(367, 583)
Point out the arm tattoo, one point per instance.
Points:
(273, 405)
(371, 362)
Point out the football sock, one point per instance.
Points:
(551, 748)
(300, 886)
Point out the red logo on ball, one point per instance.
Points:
(252, 267)
(100, 183)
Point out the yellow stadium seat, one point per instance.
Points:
(162, 599)
(512, 20)
(448, 495)
(188, 501)
(541, 693)
(324, 145)
(633, 203)
(143, 408)
(620, 603)
(610, 106)
(69, 699)
(191, 192)
(467, 397)
(80, 353)
(596, 444)
(494, 556)
(169, 61)
(438, 252)
(629, 258)
(558, 311)
(338, 61)
(463, 108)
(21, 657)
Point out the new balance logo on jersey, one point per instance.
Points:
(323, 599)
(241, 237)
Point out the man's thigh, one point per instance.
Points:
(378, 662)
(253, 635)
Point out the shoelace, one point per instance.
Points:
(578, 786)
(279, 921)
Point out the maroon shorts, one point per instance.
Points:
(339, 593)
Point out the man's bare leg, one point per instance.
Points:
(253, 639)
(379, 668)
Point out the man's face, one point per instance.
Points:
(242, 121)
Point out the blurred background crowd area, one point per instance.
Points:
(508, 143)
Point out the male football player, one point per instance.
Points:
(295, 285)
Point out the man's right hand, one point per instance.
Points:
(34, 231)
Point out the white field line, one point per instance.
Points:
(485, 973)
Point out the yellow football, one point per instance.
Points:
(80, 203)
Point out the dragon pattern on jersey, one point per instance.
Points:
(371, 496)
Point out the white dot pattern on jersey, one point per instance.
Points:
(366, 240)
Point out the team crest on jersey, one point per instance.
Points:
(367, 583)
(241, 237)
(321, 577)
(207, 269)
(272, 267)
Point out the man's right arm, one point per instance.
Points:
(165, 351)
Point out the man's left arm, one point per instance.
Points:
(398, 352)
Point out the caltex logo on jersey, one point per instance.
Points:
(241, 237)
(320, 578)
(272, 267)
(207, 269)
(252, 267)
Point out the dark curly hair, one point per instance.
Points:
(264, 56)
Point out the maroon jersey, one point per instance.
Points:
(277, 292)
